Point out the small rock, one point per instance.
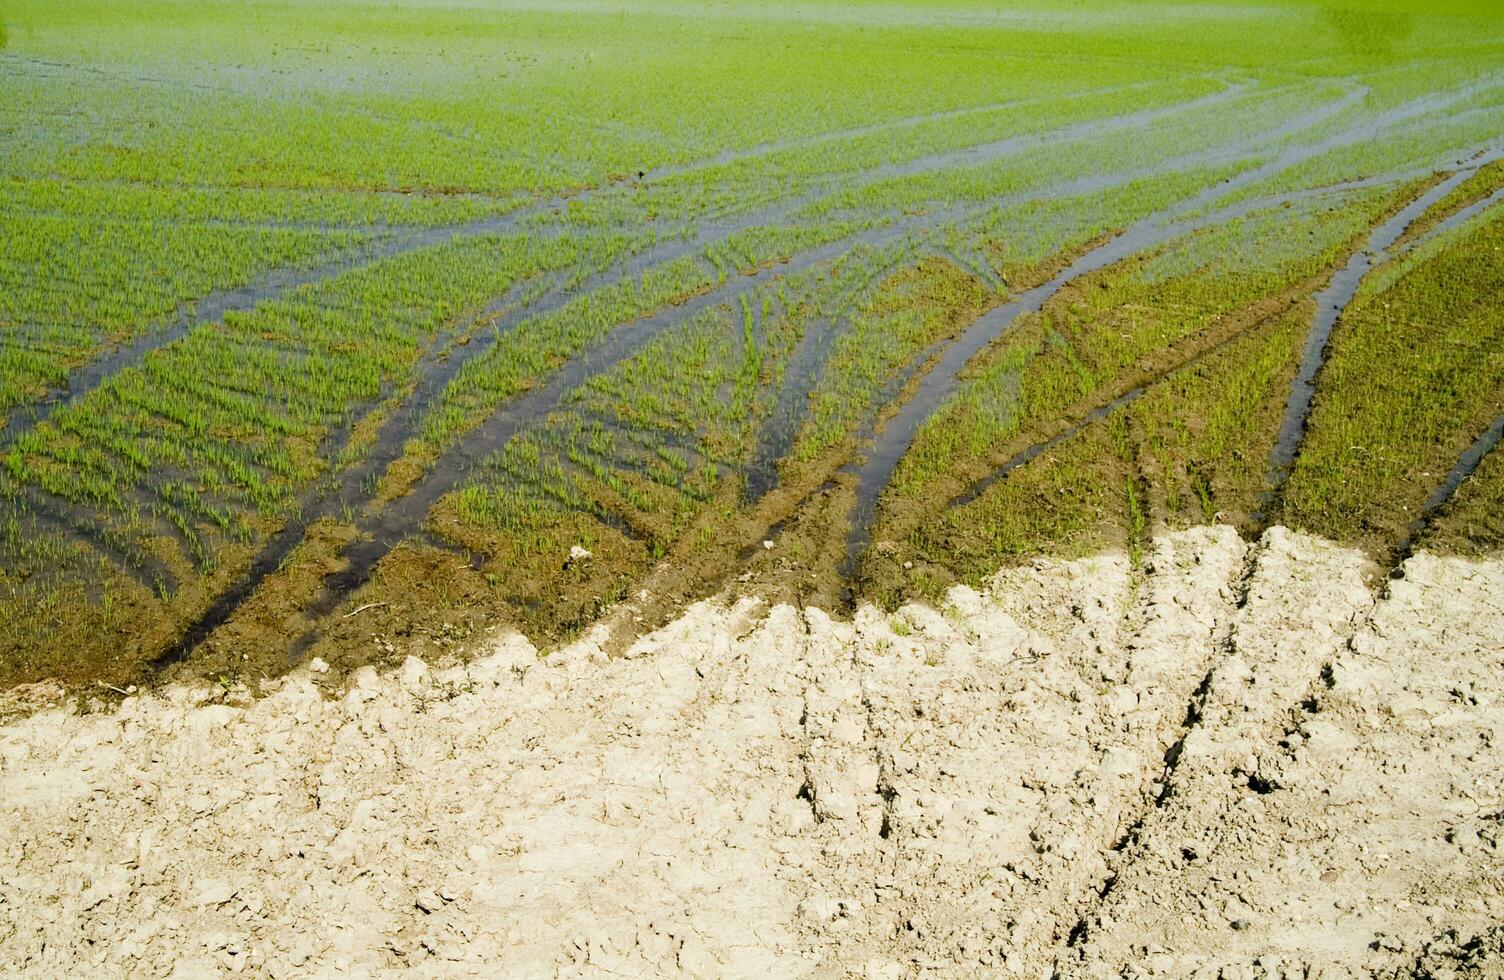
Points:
(301, 951)
(318, 665)
(413, 672)
(1119, 762)
(819, 910)
(835, 805)
(576, 553)
(212, 893)
(767, 545)
(365, 679)
(429, 902)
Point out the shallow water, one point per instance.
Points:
(1330, 304)
(898, 435)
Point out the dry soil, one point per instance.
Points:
(1238, 760)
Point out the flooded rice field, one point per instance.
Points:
(900, 490)
(530, 321)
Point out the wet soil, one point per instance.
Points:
(349, 565)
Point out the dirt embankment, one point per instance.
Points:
(1237, 761)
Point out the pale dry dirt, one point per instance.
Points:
(1245, 761)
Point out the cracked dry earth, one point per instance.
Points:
(1236, 761)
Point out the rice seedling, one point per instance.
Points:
(1414, 374)
(431, 297)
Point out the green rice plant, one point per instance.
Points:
(480, 202)
(1472, 522)
(1079, 348)
(1414, 374)
(911, 310)
(1207, 429)
(1068, 500)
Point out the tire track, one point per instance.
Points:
(1097, 414)
(778, 433)
(1455, 220)
(382, 531)
(385, 527)
(906, 122)
(939, 383)
(1277, 749)
(1199, 351)
(1331, 303)
(1435, 506)
(1267, 660)
(213, 307)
